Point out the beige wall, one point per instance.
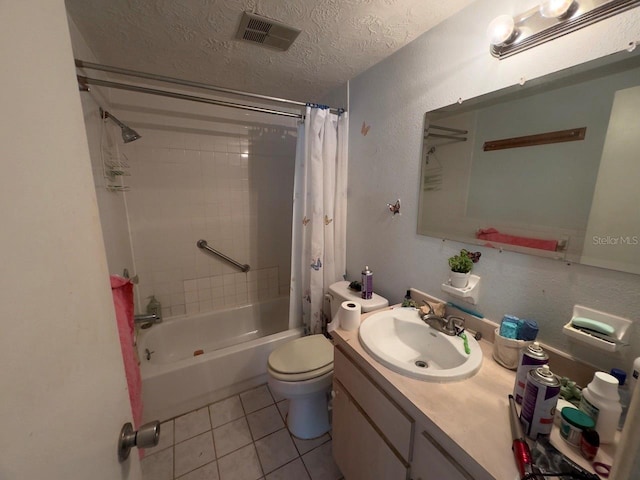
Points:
(64, 396)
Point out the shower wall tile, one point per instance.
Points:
(231, 289)
(188, 186)
(191, 297)
(190, 285)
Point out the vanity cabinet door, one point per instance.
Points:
(432, 462)
(388, 417)
(359, 451)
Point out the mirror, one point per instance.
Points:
(550, 168)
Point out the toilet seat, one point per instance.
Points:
(302, 359)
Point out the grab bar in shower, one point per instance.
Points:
(202, 244)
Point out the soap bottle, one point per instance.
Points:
(623, 391)
(635, 372)
(601, 401)
(408, 301)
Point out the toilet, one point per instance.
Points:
(302, 370)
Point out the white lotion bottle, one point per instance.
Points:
(600, 400)
(635, 373)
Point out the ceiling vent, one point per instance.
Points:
(257, 29)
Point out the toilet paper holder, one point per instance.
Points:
(148, 435)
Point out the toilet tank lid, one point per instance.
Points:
(301, 355)
(342, 290)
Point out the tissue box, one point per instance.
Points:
(506, 351)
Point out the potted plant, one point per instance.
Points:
(461, 266)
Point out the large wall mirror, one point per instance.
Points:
(551, 168)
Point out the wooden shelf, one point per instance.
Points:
(559, 136)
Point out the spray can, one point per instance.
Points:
(367, 283)
(531, 357)
(539, 402)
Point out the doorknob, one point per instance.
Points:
(147, 436)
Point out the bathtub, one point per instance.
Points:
(235, 342)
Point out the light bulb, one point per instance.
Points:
(501, 30)
(555, 8)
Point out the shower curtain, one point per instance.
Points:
(318, 247)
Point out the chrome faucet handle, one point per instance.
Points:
(455, 324)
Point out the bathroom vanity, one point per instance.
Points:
(386, 425)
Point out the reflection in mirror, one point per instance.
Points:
(549, 169)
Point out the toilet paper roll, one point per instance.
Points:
(349, 315)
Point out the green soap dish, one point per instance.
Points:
(598, 329)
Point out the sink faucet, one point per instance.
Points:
(450, 325)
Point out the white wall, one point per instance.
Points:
(64, 395)
(613, 240)
(452, 61)
(111, 204)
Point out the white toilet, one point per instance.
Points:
(302, 370)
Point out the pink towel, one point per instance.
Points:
(494, 235)
(122, 291)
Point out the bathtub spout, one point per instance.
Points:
(152, 318)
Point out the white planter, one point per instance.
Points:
(459, 280)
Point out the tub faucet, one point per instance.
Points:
(151, 318)
(154, 313)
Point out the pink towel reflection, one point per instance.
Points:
(491, 234)
(122, 291)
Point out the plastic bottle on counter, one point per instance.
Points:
(623, 391)
(600, 400)
(633, 379)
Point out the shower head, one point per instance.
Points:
(128, 134)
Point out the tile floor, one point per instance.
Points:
(240, 438)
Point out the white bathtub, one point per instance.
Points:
(236, 344)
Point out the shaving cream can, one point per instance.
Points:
(367, 283)
(531, 358)
(539, 402)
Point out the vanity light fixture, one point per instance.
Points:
(502, 30)
(557, 8)
(547, 21)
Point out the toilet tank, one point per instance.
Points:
(340, 292)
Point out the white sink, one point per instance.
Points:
(401, 341)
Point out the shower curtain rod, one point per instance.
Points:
(181, 96)
(188, 83)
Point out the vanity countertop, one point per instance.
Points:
(472, 413)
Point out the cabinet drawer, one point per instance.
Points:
(390, 419)
(359, 451)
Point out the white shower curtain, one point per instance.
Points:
(319, 215)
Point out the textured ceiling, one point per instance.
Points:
(195, 39)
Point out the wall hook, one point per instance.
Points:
(394, 207)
